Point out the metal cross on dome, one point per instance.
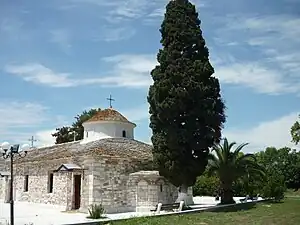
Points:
(110, 99)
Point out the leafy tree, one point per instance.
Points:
(229, 166)
(274, 186)
(80, 119)
(63, 135)
(292, 179)
(66, 134)
(285, 161)
(295, 132)
(187, 112)
(248, 185)
(206, 185)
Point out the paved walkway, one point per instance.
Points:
(42, 214)
(27, 213)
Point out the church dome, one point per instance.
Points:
(108, 115)
(108, 123)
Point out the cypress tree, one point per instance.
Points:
(186, 108)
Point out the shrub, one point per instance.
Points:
(206, 186)
(96, 211)
(248, 186)
(274, 187)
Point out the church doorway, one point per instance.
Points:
(77, 191)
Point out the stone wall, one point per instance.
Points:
(86, 184)
(38, 188)
(147, 188)
(2, 163)
(110, 183)
(38, 182)
(3, 184)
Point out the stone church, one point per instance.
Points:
(107, 167)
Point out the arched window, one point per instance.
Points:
(123, 133)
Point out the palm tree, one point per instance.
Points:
(231, 165)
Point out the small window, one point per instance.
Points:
(124, 133)
(161, 188)
(26, 183)
(50, 183)
(87, 134)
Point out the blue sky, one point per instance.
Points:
(61, 57)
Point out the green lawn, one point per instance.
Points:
(285, 213)
(292, 193)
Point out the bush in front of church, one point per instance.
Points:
(96, 211)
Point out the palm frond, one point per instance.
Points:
(239, 148)
(230, 164)
(218, 149)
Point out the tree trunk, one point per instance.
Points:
(226, 195)
(183, 195)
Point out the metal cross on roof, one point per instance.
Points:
(32, 140)
(110, 99)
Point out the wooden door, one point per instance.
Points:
(77, 191)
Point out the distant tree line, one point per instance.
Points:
(281, 168)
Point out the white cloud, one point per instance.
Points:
(39, 74)
(15, 114)
(258, 77)
(155, 15)
(15, 117)
(283, 27)
(117, 11)
(159, 12)
(127, 71)
(133, 71)
(130, 70)
(276, 42)
(136, 63)
(110, 34)
(20, 120)
(128, 9)
(274, 133)
(44, 138)
(137, 114)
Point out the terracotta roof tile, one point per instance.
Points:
(108, 115)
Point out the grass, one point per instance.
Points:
(292, 193)
(283, 213)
